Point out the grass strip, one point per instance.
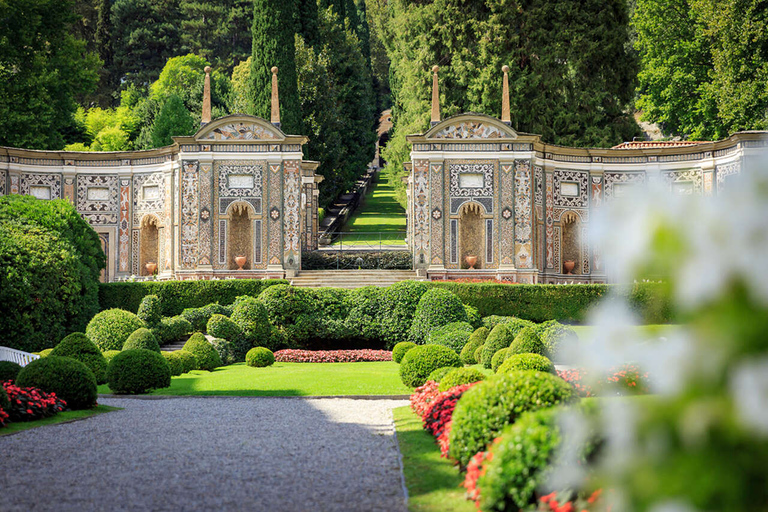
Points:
(434, 483)
(62, 417)
(380, 215)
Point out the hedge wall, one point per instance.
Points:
(566, 303)
(177, 295)
(365, 260)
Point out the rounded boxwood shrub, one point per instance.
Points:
(251, 317)
(228, 351)
(109, 355)
(454, 335)
(44, 353)
(173, 328)
(498, 358)
(500, 337)
(142, 338)
(219, 326)
(150, 310)
(476, 340)
(174, 362)
(400, 349)
(513, 323)
(8, 371)
(188, 360)
(422, 360)
(109, 329)
(498, 401)
(397, 308)
(199, 317)
(516, 362)
(554, 334)
(78, 346)
(259, 357)
(137, 371)
(70, 379)
(459, 376)
(479, 353)
(528, 342)
(206, 355)
(363, 317)
(436, 308)
(437, 375)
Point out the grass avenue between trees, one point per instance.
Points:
(379, 213)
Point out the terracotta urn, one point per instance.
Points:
(240, 260)
(151, 266)
(471, 261)
(568, 265)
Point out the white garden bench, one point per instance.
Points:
(17, 356)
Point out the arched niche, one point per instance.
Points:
(471, 234)
(149, 236)
(571, 229)
(240, 235)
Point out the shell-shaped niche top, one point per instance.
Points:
(471, 126)
(241, 131)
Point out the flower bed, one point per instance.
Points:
(423, 396)
(29, 404)
(626, 380)
(439, 412)
(331, 356)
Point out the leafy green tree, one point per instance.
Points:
(111, 138)
(43, 68)
(273, 45)
(173, 120)
(241, 77)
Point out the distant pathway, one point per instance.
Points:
(190, 454)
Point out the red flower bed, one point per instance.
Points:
(3, 418)
(331, 356)
(423, 396)
(566, 501)
(475, 469)
(443, 440)
(624, 380)
(441, 409)
(28, 404)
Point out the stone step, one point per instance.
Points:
(351, 279)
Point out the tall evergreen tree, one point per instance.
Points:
(306, 22)
(204, 28)
(273, 45)
(107, 85)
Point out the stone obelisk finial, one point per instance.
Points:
(275, 99)
(435, 97)
(505, 118)
(207, 97)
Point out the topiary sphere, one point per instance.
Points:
(422, 360)
(109, 329)
(397, 307)
(514, 324)
(70, 379)
(8, 371)
(137, 371)
(206, 355)
(400, 349)
(142, 339)
(78, 346)
(150, 310)
(554, 335)
(109, 355)
(487, 408)
(500, 337)
(188, 360)
(476, 340)
(460, 376)
(437, 375)
(498, 358)
(252, 319)
(174, 362)
(528, 342)
(516, 362)
(259, 357)
(454, 335)
(221, 327)
(436, 308)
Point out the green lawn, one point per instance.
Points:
(379, 213)
(290, 379)
(61, 417)
(434, 483)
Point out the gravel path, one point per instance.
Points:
(189, 454)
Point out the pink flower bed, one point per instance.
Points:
(331, 356)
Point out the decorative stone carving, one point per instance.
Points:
(472, 130)
(241, 131)
(481, 168)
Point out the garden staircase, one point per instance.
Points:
(351, 278)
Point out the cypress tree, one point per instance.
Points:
(306, 22)
(104, 46)
(273, 45)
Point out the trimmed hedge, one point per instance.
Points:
(174, 362)
(500, 337)
(109, 355)
(436, 308)
(437, 375)
(70, 379)
(476, 340)
(473, 316)
(198, 317)
(398, 305)
(460, 376)
(516, 362)
(109, 329)
(259, 357)
(79, 347)
(173, 328)
(138, 371)
(422, 360)
(8, 371)
(188, 360)
(205, 354)
(384, 260)
(251, 317)
(175, 296)
(454, 335)
(514, 324)
(499, 358)
(566, 303)
(527, 341)
(487, 408)
(399, 350)
(363, 317)
(142, 338)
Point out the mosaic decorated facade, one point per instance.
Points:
(238, 187)
(521, 208)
